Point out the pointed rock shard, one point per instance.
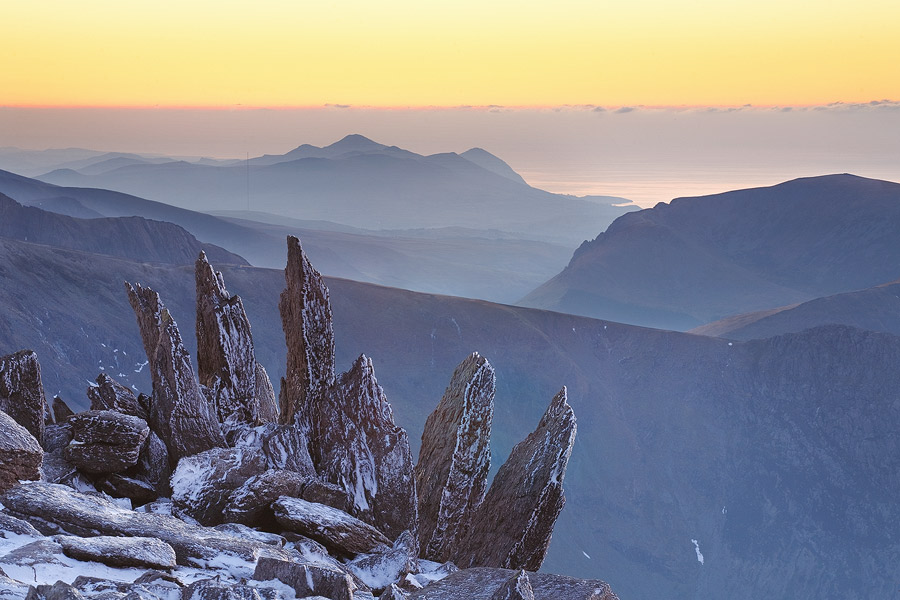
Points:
(226, 361)
(512, 528)
(517, 588)
(179, 413)
(20, 453)
(451, 475)
(21, 391)
(109, 394)
(357, 446)
(306, 318)
(61, 410)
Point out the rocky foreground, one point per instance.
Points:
(207, 489)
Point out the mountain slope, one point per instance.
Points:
(696, 260)
(778, 456)
(874, 309)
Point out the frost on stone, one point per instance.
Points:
(356, 445)
(378, 570)
(179, 413)
(518, 587)
(105, 441)
(20, 453)
(338, 531)
(512, 528)
(451, 475)
(227, 366)
(119, 551)
(203, 483)
(307, 580)
(306, 318)
(22, 392)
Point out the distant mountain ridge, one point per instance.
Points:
(697, 260)
(365, 184)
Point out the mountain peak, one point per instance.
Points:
(355, 141)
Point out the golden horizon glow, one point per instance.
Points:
(404, 54)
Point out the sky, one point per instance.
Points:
(580, 96)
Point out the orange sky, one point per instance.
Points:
(448, 53)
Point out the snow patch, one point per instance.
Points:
(697, 549)
(586, 555)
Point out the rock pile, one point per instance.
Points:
(320, 497)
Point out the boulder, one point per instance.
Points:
(119, 486)
(512, 527)
(355, 445)
(307, 579)
(338, 531)
(250, 504)
(483, 583)
(392, 592)
(179, 413)
(213, 589)
(119, 551)
(109, 394)
(285, 446)
(238, 530)
(517, 587)
(55, 468)
(58, 591)
(227, 366)
(328, 494)
(379, 570)
(14, 526)
(203, 483)
(54, 509)
(306, 318)
(105, 441)
(21, 391)
(454, 459)
(153, 465)
(39, 552)
(20, 453)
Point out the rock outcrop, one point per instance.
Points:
(517, 587)
(203, 483)
(306, 317)
(512, 527)
(105, 441)
(109, 394)
(21, 391)
(329, 526)
(179, 413)
(356, 445)
(451, 475)
(226, 361)
(307, 580)
(20, 453)
(285, 446)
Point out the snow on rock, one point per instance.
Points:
(20, 453)
(202, 483)
(392, 592)
(213, 589)
(179, 413)
(451, 475)
(109, 394)
(512, 527)
(227, 366)
(105, 441)
(379, 570)
(306, 318)
(517, 587)
(307, 579)
(11, 526)
(57, 591)
(285, 446)
(356, 445)
(483, 582)
(338, 531)
(54, 509)
(119, 551)
(21, 391)
(250, 504)
(697, 550)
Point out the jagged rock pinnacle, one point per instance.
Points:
(451, 475)
(512, 528)
(306, 318)
(179, 413)
(227, 364)
(21, 391)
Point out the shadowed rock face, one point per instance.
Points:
(20, 453)
(179, 413)
(21, 391)
(109, 394)
(306, 318)
(358, 447)
(226, 361)
(451, 474)
(105, 441)
(513, 525)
